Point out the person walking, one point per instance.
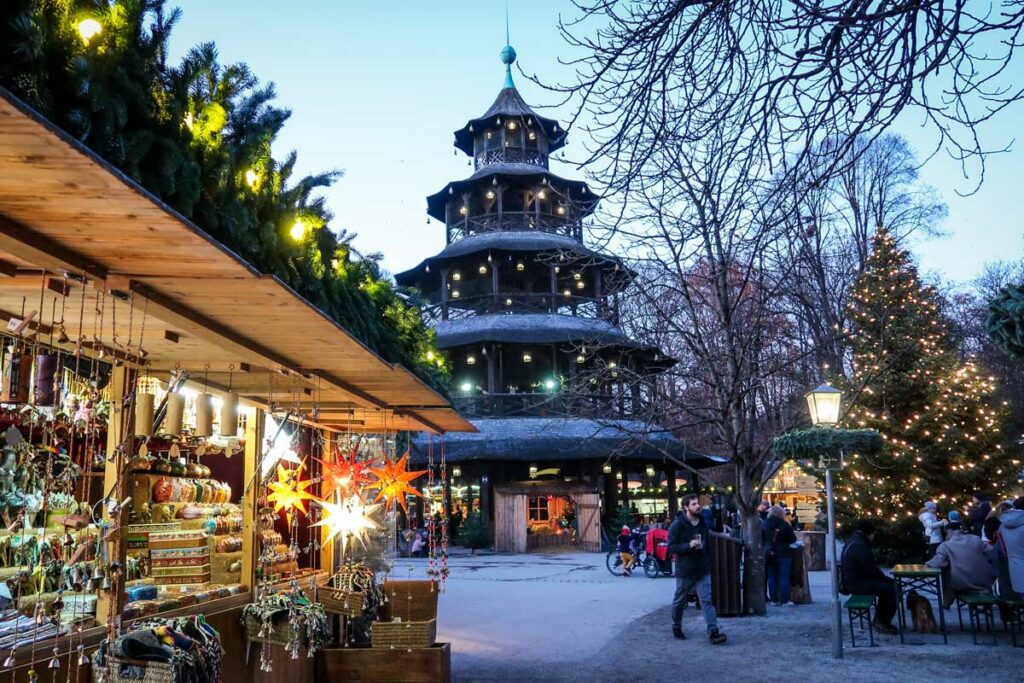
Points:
(688, 540)
(778, 555)
(932, 526)
(966, 563)
(861, 575)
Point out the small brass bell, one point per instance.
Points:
(9, 662)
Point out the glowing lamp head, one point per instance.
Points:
(466, 387)
(456, 471)
(470, 359)
(607, 469)
(298, 230)
(252, 178)
(823, 404)
(89, 29)
(550, 384)
(650, 470)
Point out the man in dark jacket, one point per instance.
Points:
(862, 576)
(980, 507)
(688, 540)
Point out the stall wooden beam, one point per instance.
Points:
(253, 450)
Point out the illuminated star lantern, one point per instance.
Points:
(350, 519)
(393, 481)
(347, 476)
(289, 492)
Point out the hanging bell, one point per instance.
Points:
(97, 573)
(90, 586)
(106, 583)
(54, 663)
(68, 539)
(9, 662)
(82, 659)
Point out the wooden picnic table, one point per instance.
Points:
(923, 579)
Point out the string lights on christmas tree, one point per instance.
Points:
(939, 417)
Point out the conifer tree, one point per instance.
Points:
(938, 416)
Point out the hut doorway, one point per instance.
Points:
(544, 516)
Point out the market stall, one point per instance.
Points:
(167, 415)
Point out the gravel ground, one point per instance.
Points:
(564, 618)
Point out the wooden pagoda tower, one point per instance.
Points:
(564, 401)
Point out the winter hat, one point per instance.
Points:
(954, 517)
(625, 529)
(930, 505)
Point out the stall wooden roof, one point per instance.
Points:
(73, 226)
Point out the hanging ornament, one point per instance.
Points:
(290, 492)
(144, 414)
(229, 415)
(175, 413)
(204, 415)
(349, 519)
(393, 481)
(346, 476)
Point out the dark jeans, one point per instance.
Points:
(778, 579)
(703, 587)
(885, 589)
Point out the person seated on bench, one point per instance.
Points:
(1010, 549)
(966, 563)
(862, 575)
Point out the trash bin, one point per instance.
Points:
(726, 584)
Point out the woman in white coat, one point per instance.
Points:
(932, 526)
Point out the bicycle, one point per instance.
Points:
(613, 561)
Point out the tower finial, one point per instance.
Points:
(508, 53)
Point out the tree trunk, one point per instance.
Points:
(754, 579)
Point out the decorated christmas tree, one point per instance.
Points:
(938, 416)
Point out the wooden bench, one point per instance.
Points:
(977, 604)
(859, 607)
(1013, 617)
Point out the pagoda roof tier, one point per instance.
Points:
(510, 103)
(567, 249)
(580, 196)
(531, 439)
(532, 328)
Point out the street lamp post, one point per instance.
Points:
(823, 404)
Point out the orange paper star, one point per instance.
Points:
(393, 481)
(289, 491)
(347, 476)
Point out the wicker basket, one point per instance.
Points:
(153, 672)
(339, 601)
(280, 631)
(405, 634)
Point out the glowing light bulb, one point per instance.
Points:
(298, 229)
(89, 29)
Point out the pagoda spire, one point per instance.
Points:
(508, 54)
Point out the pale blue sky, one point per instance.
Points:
(377, 87)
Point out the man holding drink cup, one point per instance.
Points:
(688, 542)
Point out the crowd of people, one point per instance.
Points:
(980, 551)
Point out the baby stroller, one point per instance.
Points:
(658, 561)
